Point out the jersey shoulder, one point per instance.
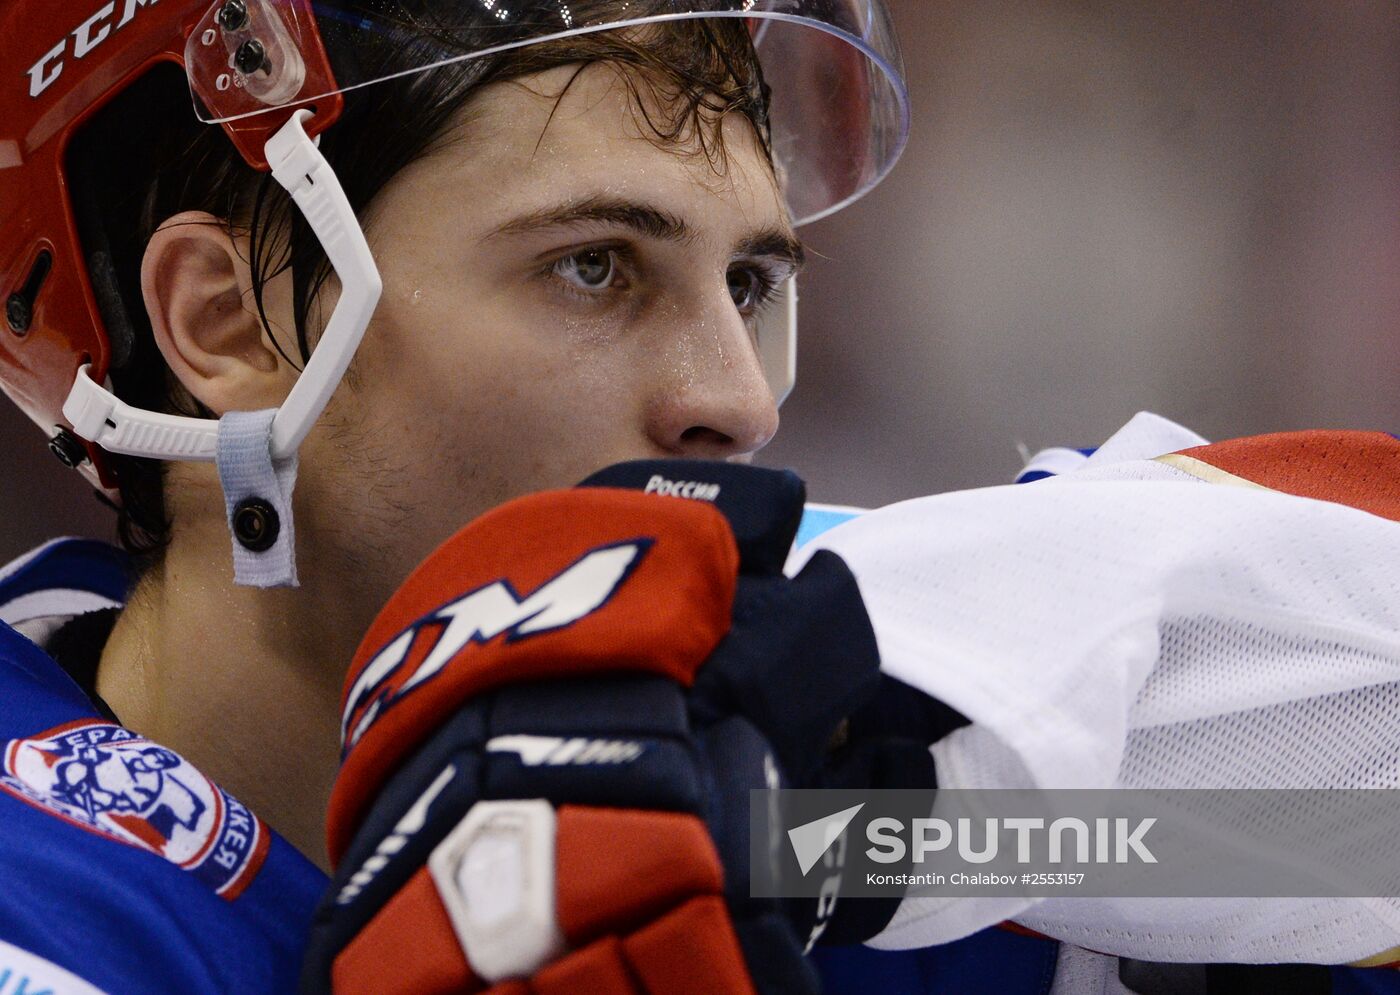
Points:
(123, 863)
(1358, 469)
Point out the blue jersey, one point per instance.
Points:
(120, 863)
(123, 866)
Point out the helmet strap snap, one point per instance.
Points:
(257, 500)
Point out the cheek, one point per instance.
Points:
(496, 391)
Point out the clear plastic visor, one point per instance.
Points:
(838, 112)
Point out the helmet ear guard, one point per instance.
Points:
(74, 329)
(243, 60)
(265, 471)
(298, 166)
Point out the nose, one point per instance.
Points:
(710, 399)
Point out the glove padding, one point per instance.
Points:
(551, 732)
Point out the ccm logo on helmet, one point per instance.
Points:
(699, 490)
(478, 617)
(86, 37)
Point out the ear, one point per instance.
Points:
(198, 293)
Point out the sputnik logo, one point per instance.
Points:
(811, 840)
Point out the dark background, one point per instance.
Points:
(1191, 208)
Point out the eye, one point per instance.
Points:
(589, 269)
(749, 288)
(744, 288)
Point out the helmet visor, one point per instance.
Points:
(837, 107)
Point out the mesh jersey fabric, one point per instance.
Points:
(1131, 623)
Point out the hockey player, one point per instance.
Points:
(541, 238)
(569, 236)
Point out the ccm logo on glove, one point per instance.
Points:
(596, 582)
(421, 651)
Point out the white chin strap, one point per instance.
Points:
(256, 452)
(297, 164)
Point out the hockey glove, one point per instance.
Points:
(883, 732)
(550, 734)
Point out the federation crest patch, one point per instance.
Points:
(110, 781)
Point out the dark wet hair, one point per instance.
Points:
(145, 158)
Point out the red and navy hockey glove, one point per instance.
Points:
(778, 667)
(550, 736)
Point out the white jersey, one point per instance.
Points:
(1124, 625)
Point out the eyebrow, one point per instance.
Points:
(650, 221)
